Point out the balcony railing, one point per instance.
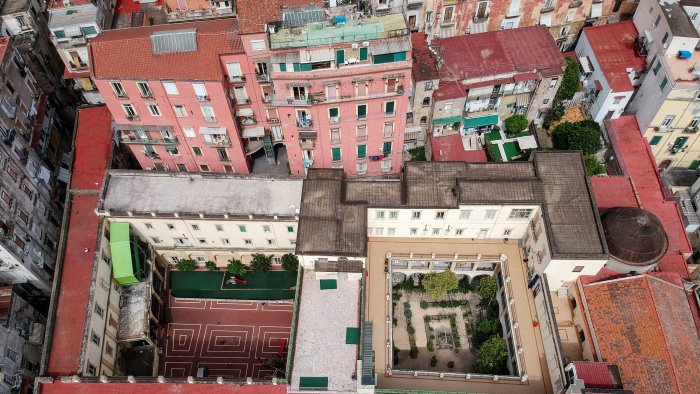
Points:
(202, 98)
(576, 3)
(305, 123)
(218, 141)
(126, 139)
(77, 40)
(133, 118)
(262, 77)
(308, 144)
(273, 120)
(547, 8)
(210, 119)
(248, 121)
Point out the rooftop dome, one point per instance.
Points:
(634, 236)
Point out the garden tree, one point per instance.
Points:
(290, 262)
(516, 123)
(186, 265)
(235, 267)
(438, 284)
(211, 266)
(555, 113)
(486, 289)
(570, 82)
(583, 136)
(260, 262)
(488, 326)
(593, 166)
(417, 154)
(492, 356)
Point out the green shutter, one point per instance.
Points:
(694, 165)
(363, 54)
(361, 151)
(389, 107)
(339, 56)
(335, 153)
(88, 30)
(386, 58)
(297, 67)
(328, 284)
(60, 34)
(333, 112)
(678, 144)
(617, 5)
(663, 83)
(352, 336)
(283, 67)
(305, 66)
(657, 67)
(362, 111)
(150, 149)
(386, 149)
(655, 140)
(399, 56)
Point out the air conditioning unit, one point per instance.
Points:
(355, 46)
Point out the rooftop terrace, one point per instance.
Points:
(329, 32)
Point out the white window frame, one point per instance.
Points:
(170, 88)
(144, 89)
(154, 110)
(180, 110)
(255, 45)
(234, 71)
(188, 131)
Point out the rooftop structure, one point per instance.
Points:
(207, 194)
(254, 16)
(165, 52)
(424, 67)
(644, 324)
(677, 19)
(452, 148)
(333, 213)
(634, 236)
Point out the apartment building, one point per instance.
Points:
(425, 80)
(612, 64)
(71, 24)
(666, 102)
(341, 87)
(179, 11)
(29, 213)
(485, 78)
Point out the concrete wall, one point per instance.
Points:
(682, 105)
(542, 98)
(419, 110)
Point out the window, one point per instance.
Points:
(208, 112)
(663, 83)
(91, 369)
(195, 227)
(179, 242)
(106, 258)
(379, 215)
(242, 228)
(156, 240)
(423, 120)
(490, 214)
(379, 231)
(459, 232)
(415, 215)
(88, 30)
(335, 154)
(578, 268)
(11, 354)
(393, 215)
(267, 229)
(386, 165)
(663, 40)
(668, 120)
(153, 109)
(170, 88)
(197, 151)
(618, 99)
(362, 111)
(59, 34)
(440, 215)
(118, 89)
(200, 91)
(144, 89)
(464, 214)
(234, 71)
(283, 67)
(370, 231)
(189, 132)
(270, 242)
(96, 339)
(413, 231)
(361, 133)
(171, 226)
(248, 241)
(391, 231)
(219, 227)
(225, 241)
(657, 66)
(292, 241)
(257, 45)
(655, 140)
(520, 214)
(202, 241)
(658, 19)
(129, 110)
(389, 107)
(553, 82)
(507, 232)
(22, 215)
(361, 151)
(694, 123)
(290, 229)
(449, 14)
(99, 310)
(436, 231)
(388, 129)
(109, 349)
(335, 136)
(361, 168)
(386, 148)
(333, 115)
(181, 112)
(222, 154)
(545, 101)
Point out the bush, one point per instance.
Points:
(417, 154)
(584, 136)
(424, 305)
(492, 356)
(396, 355)
(260, 262)
(516, 123)
(451, 303)
(235, 267)
(408, 313)
(433, 361)
(440, 283)
(464, 286)
(414, 352)
(186, 265)
(211, 266)
(570, 82)
(410, 330)
(451, 364)
(555, 113)
(290, 262)
(486, 289)
(431, 346)
(593, 166)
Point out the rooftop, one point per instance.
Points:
(333, 216)
(61, 4)
(328, 32)
(59, 387)
(424, 68)
(134, 316)
(93, 145)
(211, 194)
(645, 326)
(678, 19)
(451, 148)
(491, 54)
(254, 15)
(75, 15)
(683, 71)
(12, 6)
(613, 46)
(129, 54)
(4, 44)
(637, 163)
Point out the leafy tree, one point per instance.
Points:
(516, 123)
(290, 262)
(593, 166)
(414, 352)
(211, 266)
(488, 326)
(583, 136)
(417, 154)
(570, 82)
(464, 286)
(260, 262)
(186, 265)
(492, 356)
(235, 267)
(438, 284)
(450, 364)
(555, 113)
(486, 289)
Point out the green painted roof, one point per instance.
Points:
(487, 120)
(352, 335)
(450, 120)
(120, 248)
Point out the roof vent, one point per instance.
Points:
(172, 41)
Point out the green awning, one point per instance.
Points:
(313, 383)
(120, 247)
(450, 120)
(352, 336)
(329, 284)
(488, 120)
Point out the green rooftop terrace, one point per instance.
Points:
(326, 33)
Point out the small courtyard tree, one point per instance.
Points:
(555, 113)
(516, 124)
(438, 284)
(186, 265)
(486, 289)
(593, 166)
(211, 266)
(235, 267)
(290, 262)
(584, 136)
(260, 262)
(570, 82)
(492, 356)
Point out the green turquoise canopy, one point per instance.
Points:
(120, 247)
(488, 120)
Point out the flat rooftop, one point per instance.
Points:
(211, 194)
(333, 216)
(76, 15)
(320, 348)
(677, 19)
(134, 316)
(12, 6)
(327, 33)
(682, 71)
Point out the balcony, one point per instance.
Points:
(273, 120)
(202, 98)
(210, 119)
(236, 79)
(307, 144)
(247, 120)
(547, 8)
(78, 67)
(80, 40)
(294, 101)
(414, 4)
(305, 123)
(242, 101)
(252, 146)
(127, 138)
(217, 140)
(262, 77)
(576, 3)
(133, 117)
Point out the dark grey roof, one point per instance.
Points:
(333, 216)
(678, 19)
(634, 235)
(11, 6)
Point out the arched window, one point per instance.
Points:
(426, 101)
(423, 119)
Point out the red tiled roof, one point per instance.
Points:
(4, 43)
(490, 82)
(128, 53)
(139, 388)
(615, 191)
(514, 50)
(449, 90)
(253, 15)
(450, 148)
(424, 67)
(67, 74)
(613, 46)
(594, 375)
(645, 326)
(93, 148)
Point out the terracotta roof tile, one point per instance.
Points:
(253, 15)
(645, 326)
(424, 68)
(128, 54)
